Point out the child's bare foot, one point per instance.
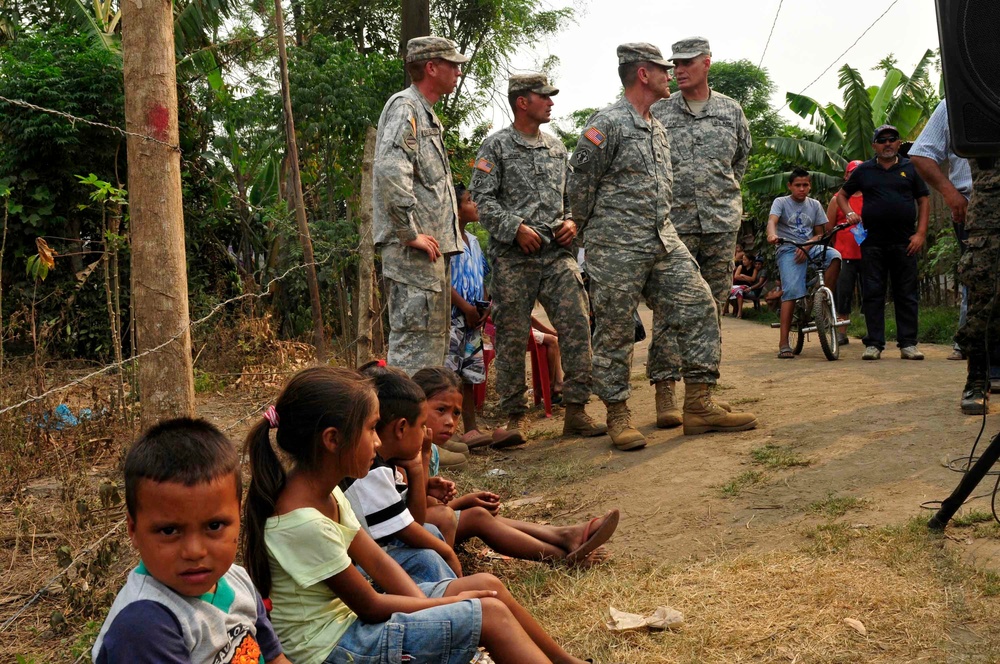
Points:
(591, 535)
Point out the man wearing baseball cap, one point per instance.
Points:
(709, 146)
(415, 214)
(895, 211)
(620, 191)
(519, 184)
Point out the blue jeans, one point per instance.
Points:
(879, 265)
(793, 275)
(447, 634)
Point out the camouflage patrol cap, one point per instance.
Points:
(689, 48)
(532, 82)
(641, 52)
(431, 48)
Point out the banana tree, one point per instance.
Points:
(839, 134)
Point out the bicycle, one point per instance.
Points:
(817, 312)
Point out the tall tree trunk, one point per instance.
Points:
(366, 254)
(416, 22)
(295, 185)
(159, 266)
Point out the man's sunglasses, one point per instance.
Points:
(886, 139)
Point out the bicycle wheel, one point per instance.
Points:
(799, 320)
(825, 324)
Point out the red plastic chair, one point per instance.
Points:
(540, 385)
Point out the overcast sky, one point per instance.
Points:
(809, 36)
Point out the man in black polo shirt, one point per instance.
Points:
(894, 198)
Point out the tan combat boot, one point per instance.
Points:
(452, 460)
(577, 422)
(668, 412)
(702, 415)
(623, 435)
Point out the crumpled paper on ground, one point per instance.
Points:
(662, 618)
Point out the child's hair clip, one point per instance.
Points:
(271, 415)
(381, 363)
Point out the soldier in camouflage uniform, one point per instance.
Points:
(415, 214)
(979, 270)
(519, 184)
(709, 145)
(620, 191)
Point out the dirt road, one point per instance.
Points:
(872, 435)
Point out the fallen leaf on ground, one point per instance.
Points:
(856, 625)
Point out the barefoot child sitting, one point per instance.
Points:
(186, 601)
(303, 541)
(475, 514)
(391, 500)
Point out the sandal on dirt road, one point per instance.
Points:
(786, 353)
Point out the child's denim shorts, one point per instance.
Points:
(422, 565)
(446, 634)
(793, 275)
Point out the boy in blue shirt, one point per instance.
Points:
(186, 602)
(796, 218)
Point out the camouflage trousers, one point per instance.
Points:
(979, 270)
(683, 309)
(419, 324)
(714, 254)
(553, 278)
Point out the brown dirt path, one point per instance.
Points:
(875, 431)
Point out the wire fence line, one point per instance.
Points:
(74, 119)
(117, 365)
(34, 598)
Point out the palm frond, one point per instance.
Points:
(94, 24)
(857, 114)
(913, 103)
(884, 97)
(807, 153)
(775, 184)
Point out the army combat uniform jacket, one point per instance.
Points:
(620, 189)
(518, 180)
(413, 191)
(709, 154)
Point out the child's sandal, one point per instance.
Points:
(786, 353)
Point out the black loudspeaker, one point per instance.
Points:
(969, 31)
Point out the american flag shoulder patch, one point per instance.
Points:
(595, 136)
(484, 165)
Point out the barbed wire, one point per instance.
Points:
(74, 119)
(34, 598)
(116, 365)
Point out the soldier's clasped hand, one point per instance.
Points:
(566, 233)
(427, 244)
(528, 239)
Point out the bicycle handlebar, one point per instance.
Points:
(822, 240)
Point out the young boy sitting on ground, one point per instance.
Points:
(391, 500)
(795, 218)
(186, 601)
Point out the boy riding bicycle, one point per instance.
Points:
(795, 219)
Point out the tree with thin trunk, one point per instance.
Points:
(295, 186)
(159, 262)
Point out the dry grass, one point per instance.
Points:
(781, 606)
